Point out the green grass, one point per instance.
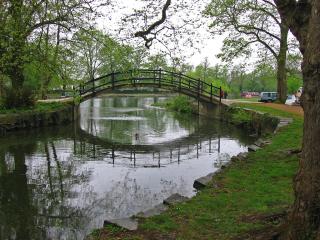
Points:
(39, 107)
(262, 184)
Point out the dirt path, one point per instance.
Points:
(287, 108)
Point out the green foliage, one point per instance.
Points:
(38, 107)
(77, 99)
(180, 104)
(14, 98)
(239, 116)
(294, 82)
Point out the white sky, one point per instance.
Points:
(209, 47)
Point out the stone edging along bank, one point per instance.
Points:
(36, 118)
(257, 122)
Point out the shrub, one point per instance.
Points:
(17, 98)
(180, 104)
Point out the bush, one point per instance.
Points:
(180, 104)
(17, 98)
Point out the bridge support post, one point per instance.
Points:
(211, 92)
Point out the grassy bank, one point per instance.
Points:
(244, 195)
(38, 107)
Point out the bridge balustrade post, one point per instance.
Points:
(211, 92)
(198, 87)
(220, 93)
(160, 76)
(112, 79)
(172, 77)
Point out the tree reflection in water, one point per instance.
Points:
(62, 182)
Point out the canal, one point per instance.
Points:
(121, 157)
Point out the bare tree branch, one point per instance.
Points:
(144, 34)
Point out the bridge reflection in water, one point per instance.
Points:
(151, 156)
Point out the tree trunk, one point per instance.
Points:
(281, 65)
(305, 217)
(17, 45)
(304, 220)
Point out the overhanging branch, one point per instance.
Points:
(144, 34)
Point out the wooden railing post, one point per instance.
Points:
(172, 77)
(198, 87)
(160, 76)
(220, 93)
(112, 79)
(211, 92)
(134, 79)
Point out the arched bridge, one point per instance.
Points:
(163, 79)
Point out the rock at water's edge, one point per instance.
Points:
(174, 199)
(253, 148)
(203, 181)
(126, 223)
(156, 210)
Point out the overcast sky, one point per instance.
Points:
(209, 46)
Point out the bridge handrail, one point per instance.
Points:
(169, 78)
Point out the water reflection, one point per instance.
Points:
(62, 182)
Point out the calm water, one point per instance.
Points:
(122, 156)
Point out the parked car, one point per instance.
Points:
(249, 94)
(268, 96)
(291, 100)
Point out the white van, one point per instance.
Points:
(268, 96)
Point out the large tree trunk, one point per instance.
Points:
(281, 65)
(305, 216)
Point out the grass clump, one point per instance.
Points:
(37, 107)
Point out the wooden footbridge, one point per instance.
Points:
(159, 78)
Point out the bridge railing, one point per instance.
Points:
(159, 78)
